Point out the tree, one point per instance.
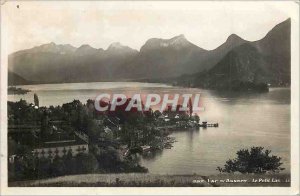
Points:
(157, 113)
(86, 163)
(36, 100)
(254, 161)
(108, 158)
(197, 118)
(70, 163)
(58, 167)
(93, 130)
(43, 166)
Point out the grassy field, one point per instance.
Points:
(151, 180)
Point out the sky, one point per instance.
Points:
(132, 23)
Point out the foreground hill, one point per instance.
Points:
(155, 180)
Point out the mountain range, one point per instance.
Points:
(175, 59)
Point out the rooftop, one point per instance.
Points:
(61, 143)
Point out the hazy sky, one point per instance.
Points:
(98, 23)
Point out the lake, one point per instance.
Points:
(245, 120)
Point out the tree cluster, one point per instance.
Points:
(255, 160)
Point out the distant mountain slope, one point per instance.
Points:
(276, 49)
(15, 79)
(242, 64)
(158, 59)
(161, 58)
(217, 54)
(166, 57)
(51, 63)
(263, 61)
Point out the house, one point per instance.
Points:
(146, 148)
(11, 158)
(123, 151)
(60, 148)
(161, 117)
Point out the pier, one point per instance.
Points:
(205, 125)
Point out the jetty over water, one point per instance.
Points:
(205, 125)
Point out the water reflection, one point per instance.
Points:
(152, 155)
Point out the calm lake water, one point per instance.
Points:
(245, 120)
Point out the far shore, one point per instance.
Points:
(142, 80)
(11, 90)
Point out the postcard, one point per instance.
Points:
(149, 97)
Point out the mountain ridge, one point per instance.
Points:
(157, 58)
(266, 61)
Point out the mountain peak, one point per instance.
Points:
(115, 45)
(86, 49)
(181, 36)
(233, 37)
(176, 42)
(85, 46)
(118, 48)
(48, 45)
(54, 48)
(51, 44)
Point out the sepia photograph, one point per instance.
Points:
(150, 94)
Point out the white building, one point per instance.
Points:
(60, 148)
